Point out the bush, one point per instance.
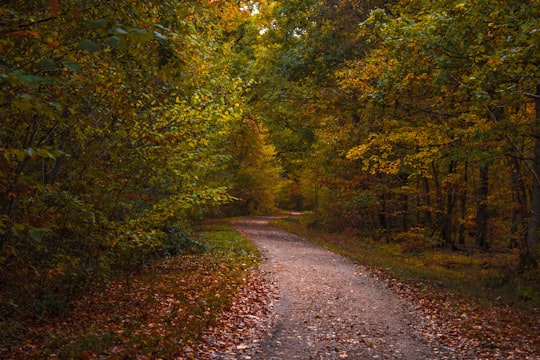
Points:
(179, 242)
(413, 241)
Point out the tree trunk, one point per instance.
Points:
(439, 203)
(427, 203)
(448, 219)
(461, 239)
(519, 195)
(482, 214)
(384, 216)
(405, 212)
(529, 256)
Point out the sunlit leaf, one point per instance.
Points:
(159, 36)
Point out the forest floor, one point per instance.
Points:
(331, 308)
(300, 302)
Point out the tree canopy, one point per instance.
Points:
(409, 115)
(125, 121)
(118, 125)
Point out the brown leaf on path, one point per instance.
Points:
(54, 6)
(85, 355)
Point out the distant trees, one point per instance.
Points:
(416, 115)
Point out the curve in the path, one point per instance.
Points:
(330, 308)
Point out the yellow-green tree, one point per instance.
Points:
(452, 85)
(114, 119)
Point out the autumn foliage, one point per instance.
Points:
(122, 122)
(408, 116)
(162, 311)
(114, 120)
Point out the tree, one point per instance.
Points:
(114, 118)
(454, 60)
(431, 101)
(301, 45)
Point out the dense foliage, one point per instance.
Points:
(118, 125)
(416, 120)
(124, 121)
(162, 312)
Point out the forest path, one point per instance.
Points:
(330, 308)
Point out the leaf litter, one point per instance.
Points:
(156, 319)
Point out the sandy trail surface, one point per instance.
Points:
(330, 308)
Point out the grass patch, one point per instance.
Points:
(152, 314)
(486, 278)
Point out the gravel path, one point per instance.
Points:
(330, 308)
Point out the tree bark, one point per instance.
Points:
(427, 202)
(464, 195)
(482, 214)
(520, 196)
(448, 220)
(530, 254)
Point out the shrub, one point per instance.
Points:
(413, 241)
(179, 242)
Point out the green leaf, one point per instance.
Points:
(98, 23)
(32, 79)
(21, 155)
(119, 31)
(17, 229)
(31, 152)
(33, 182)
(89, 45)
(25, 106)
(71, 65)
(47, 154)
(159, 36)
(47, 64)
(114, 41)
(55, 105)
(140, 36)
(159, 26)
(37, 233)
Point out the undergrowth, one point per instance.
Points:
(488, 278)
(168, 305)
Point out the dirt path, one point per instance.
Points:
(330, 308)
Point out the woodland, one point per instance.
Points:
(125, 123)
